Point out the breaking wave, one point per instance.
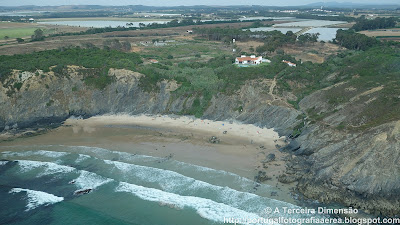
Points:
(37, 198)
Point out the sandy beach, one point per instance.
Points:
(241, 148)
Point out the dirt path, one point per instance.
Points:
(271, 88)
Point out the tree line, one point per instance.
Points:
(173, 23)
(352, 40)
(378, 23)
(272, 39)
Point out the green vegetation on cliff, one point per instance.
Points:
(89, 58)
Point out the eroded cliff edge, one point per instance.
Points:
(358, 168)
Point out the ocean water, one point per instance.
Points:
(39, 184)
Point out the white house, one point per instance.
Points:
(289, 63)
(248, 60)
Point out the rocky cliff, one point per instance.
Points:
(45, 97)
(358, 168)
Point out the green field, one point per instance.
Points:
(17, 32)
(21, 32)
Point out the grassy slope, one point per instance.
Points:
(370, 94)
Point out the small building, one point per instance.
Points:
(31, 20)
(289, 63)
(248, 60)
(153, 60)
(190, 31)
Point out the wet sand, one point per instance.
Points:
(241, 149)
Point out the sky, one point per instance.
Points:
(181, 2)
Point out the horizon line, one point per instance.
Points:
(234, 5)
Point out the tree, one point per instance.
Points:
(38, 35)
(6, 37)
(307, 37)
(20, 40)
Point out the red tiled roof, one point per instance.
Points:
(241, 59)
(287, 62)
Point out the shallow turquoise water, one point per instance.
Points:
(37, 186)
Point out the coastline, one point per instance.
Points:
(241, 149)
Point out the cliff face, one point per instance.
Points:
(357, 168)
(46, 97)
(360, 170)
(357, 165)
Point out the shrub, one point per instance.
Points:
(17, 85)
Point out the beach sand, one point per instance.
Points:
(241, 149)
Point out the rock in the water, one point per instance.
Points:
(83, 192)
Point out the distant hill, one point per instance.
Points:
(353, 5)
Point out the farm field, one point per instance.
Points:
(384, 34)
(24, 30)
(16, 32)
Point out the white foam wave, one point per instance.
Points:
(206, 208)
(90, 180)
(85, 179)
(168, 180)
(174, 182)
(105, 153)
(37, 198)
(3, 163)
(50, 154)
(82, 158)
(214, 172)
(48, 167)
(181, 166)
